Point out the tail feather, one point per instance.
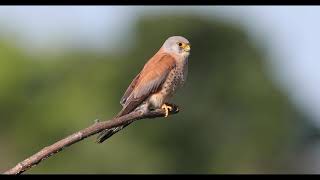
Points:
(128, 107)
(107, 133)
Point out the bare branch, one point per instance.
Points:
(82, 134)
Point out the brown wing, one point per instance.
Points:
(147, 81)
(129, 90)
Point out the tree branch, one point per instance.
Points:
(82, 134)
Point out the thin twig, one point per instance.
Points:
(82, 134)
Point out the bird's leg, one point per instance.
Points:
(167, 107)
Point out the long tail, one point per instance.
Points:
(107, 133)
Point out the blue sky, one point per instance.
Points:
(291, 35)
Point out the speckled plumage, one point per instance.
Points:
(174, 81)
(157, 82)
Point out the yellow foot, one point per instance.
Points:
(167, 108)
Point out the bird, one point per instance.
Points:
(156, 83)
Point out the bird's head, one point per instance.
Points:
(177, 45)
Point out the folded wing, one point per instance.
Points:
(147, 82)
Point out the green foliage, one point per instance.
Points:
(233, 118)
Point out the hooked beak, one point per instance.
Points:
(186, 47)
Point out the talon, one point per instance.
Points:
(167, 108)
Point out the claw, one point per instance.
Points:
(167, 108)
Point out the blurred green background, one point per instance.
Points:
(234, 118)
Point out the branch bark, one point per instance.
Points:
(82, 134)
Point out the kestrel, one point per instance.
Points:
(156, 83)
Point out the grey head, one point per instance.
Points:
(178, 45)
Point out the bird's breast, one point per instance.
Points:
(175, 79)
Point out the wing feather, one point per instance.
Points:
(129, 90)
(148, 81)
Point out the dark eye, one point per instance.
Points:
(180, 44)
